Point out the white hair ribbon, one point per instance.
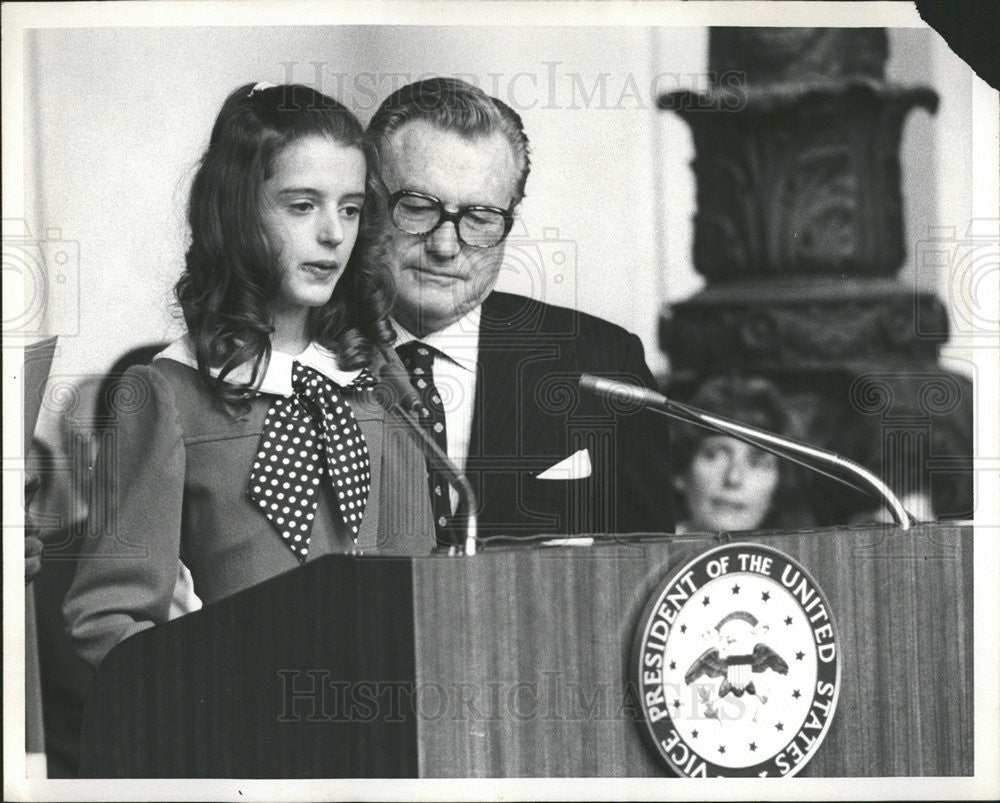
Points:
(260, 86)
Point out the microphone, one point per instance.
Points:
(787, 448)
(622, 391)
(410, 410)
(395, 375)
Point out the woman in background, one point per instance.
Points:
(724, 484)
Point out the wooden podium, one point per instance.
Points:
(515, 663)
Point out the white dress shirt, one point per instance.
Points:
(455, 379)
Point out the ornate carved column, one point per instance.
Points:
(799, 233)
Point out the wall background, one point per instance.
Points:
(116, 120)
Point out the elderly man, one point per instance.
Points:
(497, 371)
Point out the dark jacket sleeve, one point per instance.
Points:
(642, 457)
(127, 568)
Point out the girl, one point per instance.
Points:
(255, 442)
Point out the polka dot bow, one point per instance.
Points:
(307, 436)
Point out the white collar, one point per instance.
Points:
(277, 379)
(458, 341)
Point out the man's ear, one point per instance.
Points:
(679, 483)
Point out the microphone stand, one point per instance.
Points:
(410, 409)
(787, 448)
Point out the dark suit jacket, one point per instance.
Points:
(530, 414)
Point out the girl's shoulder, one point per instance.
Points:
(174, 380)
(176, 369)
(184, 381)
(163, 391)
(200, 414)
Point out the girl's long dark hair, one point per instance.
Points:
(231, 277)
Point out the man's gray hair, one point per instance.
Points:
(452, 105)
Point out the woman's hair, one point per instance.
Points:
(748, 400)
(231, 273)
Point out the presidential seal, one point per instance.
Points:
(736, 665)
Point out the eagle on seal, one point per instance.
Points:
(736, 668)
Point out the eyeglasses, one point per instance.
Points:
(477, 226)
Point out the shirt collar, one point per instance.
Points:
(277, 379)
(458, 341)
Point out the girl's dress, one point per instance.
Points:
(181, 477)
